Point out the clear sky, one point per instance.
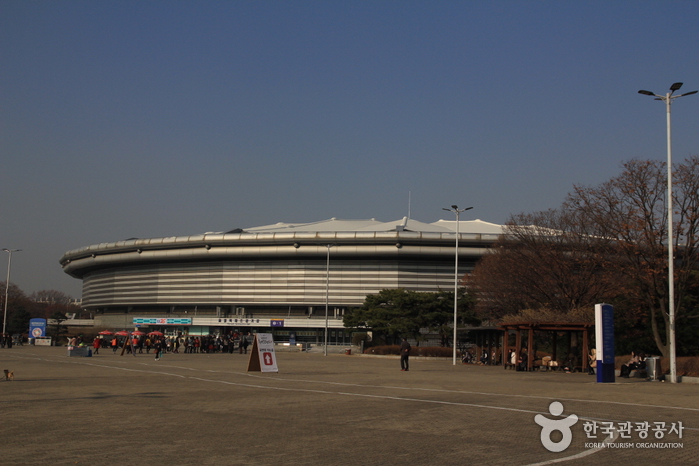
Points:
(123, 119)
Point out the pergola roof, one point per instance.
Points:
(552, 326)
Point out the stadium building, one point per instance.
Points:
(277, 278)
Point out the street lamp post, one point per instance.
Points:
(457, 211)
(7, 287)
(327, 295)
(668, 98)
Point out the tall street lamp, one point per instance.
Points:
(668, 98)
(7, 287)
(327, 295)
(457, 211)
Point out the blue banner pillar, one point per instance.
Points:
(37, 328)
(604, 336)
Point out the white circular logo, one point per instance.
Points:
(561, 425)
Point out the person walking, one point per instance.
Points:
(158, 348)
(404, 355)
(96, 343)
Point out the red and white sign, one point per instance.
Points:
(265, 347)
(262, 357)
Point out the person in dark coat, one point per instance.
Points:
(404, 354)
(158, 348)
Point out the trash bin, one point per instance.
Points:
(348, 350)
(653, 367)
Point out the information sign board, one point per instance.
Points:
(262, 357)
(37, 328)
(604, 336)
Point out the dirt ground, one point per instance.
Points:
(338, 409)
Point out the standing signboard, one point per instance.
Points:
(37, 328)
(262, 357)
(604, 336)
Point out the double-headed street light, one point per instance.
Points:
(457, 211)
(7, 287)
(668, 98)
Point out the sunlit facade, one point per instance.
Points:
(272, 278)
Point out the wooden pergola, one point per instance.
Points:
(554, 328)
(486, 339)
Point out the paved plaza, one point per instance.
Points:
(206, 409)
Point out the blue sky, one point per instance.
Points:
(123, 119)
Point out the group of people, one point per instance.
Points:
(467, 357)
(176, 344)
(229, 343)
(637, 362)
(6, 340)
(518, 360)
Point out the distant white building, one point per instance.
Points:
(270, 278)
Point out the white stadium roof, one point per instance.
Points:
(404, 224)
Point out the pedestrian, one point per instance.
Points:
(404, 355)
(245, 343)
(97, 342)
(158, 348)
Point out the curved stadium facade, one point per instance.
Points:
(273, 278)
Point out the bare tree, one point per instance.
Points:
(630, 212)
(51, 297)
(17, 306)
(548, 261)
